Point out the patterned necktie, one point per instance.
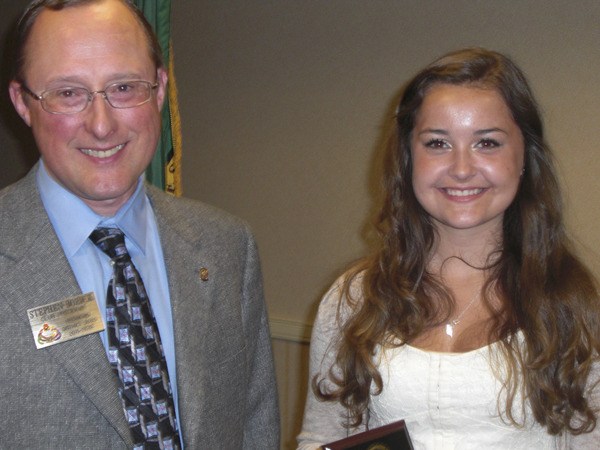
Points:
(135, 350)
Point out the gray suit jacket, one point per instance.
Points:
(65, 396)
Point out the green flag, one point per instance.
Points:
(165, 169)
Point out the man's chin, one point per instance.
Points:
(107, 202)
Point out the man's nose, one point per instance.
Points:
(100, 115)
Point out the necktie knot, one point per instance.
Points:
(111, 241)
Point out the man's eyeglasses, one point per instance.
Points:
(71, 100)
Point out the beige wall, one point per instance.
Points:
(284, 105)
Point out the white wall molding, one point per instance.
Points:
(290, 330)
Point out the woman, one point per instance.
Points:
(474, 322)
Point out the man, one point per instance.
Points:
(89, 81)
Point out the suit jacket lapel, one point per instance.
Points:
(190, 305)
(38, 273)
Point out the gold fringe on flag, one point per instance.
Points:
(173, 166)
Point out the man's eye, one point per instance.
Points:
(68, 93)
(124, 87)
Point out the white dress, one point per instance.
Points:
(448, 400)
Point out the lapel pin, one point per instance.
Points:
(203, 272)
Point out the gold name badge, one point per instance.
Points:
(64, 320)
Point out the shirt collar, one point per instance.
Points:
(63, 207)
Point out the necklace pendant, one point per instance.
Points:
(450, 329)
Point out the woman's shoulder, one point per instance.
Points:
(336, 307)
(343, 297)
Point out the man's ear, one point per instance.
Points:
(18, 100)
(161, 79)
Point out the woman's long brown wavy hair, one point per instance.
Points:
(547, 293)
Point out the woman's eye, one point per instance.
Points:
(436, 144)
(488, 143)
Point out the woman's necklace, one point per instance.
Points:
(451, 324)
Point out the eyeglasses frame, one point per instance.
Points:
(90, 96)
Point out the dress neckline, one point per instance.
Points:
(467, 353)
(484, 348)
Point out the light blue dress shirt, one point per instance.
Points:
(73, 222)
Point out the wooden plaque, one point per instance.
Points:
(393, 436)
